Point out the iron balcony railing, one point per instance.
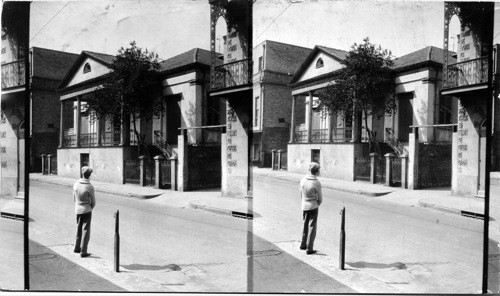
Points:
(231, 74)
(394, 143)
(466, 73)
(111, 138)
(13, 74)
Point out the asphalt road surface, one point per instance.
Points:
(183, 250)
(412, 249)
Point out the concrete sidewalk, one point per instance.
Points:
(435, 198)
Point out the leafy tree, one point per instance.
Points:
(365, 84)
(129, 89)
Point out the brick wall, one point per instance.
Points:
(277, 104)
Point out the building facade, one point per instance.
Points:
(469, 79)
(336, 141)
(274, 64)
(14, 98)
(110, 145)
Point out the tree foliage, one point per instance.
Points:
(129, 89)
(366, 84)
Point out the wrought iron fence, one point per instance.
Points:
(465, 73)
(284, 161)
(319, 135)
(111, 138)
(88, 140)
(362, 168)
(166, 173)
(131, 171)
(300, 136)
(53, 165)
(69, 139)
(149, 172)
(380, 170)
(396, 170)
(231, 74)
(342, 134)
(13, 74)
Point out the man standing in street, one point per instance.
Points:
(310, 193)
(84, 198)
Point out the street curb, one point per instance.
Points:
(324, 185)
(463, 213)
(210, 209)
(424, 204)
(139, 196)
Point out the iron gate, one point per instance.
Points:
(131, 173)
(204, 166)
(362, 167)
(166, 173)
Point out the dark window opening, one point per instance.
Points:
(86, 68)
(319, 63)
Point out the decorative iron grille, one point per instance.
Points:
(131, 171)
(396, 171)
(88, 140)
(380, 170)
(13, 74)
(466, 73)
(231, 74)
(110, 138)
(166, 173)
(362, 167)
(319, 135)
(53, 165)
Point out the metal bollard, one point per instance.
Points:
(117, 241)
(342, 240)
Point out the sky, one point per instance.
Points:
(165, 27)
(170, 27)
(400, 26)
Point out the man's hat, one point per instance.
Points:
(87, 169)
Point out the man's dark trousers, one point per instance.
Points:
(83, 222)
(309, 231)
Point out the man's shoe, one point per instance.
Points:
(76, 251)
(83, 255)
(311, 252)
(303, 248)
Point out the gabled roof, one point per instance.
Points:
(336, 54)
(287, 58)
(421, 57)
(51, 64)
(195, 56)
(103, 58)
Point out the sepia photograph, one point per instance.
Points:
(250, 146)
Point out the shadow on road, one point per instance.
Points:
(135, 266)
(363, 264)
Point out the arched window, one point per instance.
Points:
(319, 63)
(86, 68)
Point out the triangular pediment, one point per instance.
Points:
(320, 64)
(320, 61)
(88, 69)
(89, 66)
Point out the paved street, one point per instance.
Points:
(170, 249)
(393, 246)
(413, 250)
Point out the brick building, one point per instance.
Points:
(274, 64)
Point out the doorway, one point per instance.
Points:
(84, 161)
(173, 118)
(406, 116)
